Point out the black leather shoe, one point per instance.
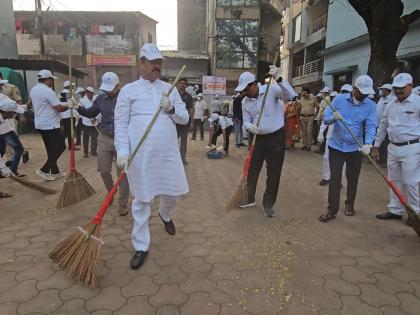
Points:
(388, 216)
(324, 182)
(169, 226)
(327, 217)
(138, 259)
(349, 210)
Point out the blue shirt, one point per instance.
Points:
(361, 118)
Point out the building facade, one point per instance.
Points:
(303, 40)
(347, 50)
(98, 41)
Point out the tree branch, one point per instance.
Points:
(410, 18)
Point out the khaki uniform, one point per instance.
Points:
(307, 114)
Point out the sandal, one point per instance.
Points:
(5, 195)
(327, 217)
(349, 211)
(25, 156)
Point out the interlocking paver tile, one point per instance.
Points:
(168, 294)
(40, 271)
(338, 285)
(392, 310)
(391, 285)
(141, 285)
(409, 303)
(22, 292)
(136, 305)
(108, 299)
(9, 308)
(7, 281)
(70, 306)
(46, 301)
(376, 297)
(200, 303)
(353, 305)
(170, 274)
(115, 277)
(197, 282)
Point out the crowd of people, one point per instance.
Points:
(113, 121)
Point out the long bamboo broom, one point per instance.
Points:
(240, 194)
(32, 185)
(76, 188)
(78, 254)
(414, 218)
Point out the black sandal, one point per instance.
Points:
(327, 217)
(5, 195)
(25, 156)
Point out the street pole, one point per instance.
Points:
(38, 25)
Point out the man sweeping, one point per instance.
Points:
(105, 104)
(270, 142)
(157, 170)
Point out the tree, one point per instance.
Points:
(387, 26)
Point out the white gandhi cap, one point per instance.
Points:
(45, 74)
(364, 84)
(109, 81)
(386, 86)
(244, 79)
(402, 80)
(9, 105)
(346, 87)
(79, 90)
(150, 51)
(90, 89)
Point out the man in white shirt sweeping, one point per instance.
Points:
(157, 170)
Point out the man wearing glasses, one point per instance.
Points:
(358, 111)
(401, 120)
(269, 145)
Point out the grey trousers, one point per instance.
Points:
(106, 154)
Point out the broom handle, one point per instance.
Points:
(101, 212)
(72, 158)
(389, 182)
(251, 149)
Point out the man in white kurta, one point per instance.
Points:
(157, 169)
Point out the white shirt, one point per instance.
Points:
(86, 103)
(199, 108)
(224, 122)
(216, 106)
(44, 100)
(273, 116)
(380, 107)
(400, 120)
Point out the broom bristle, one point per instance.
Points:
(29, 184)
(239, 196)
(78, 255)
(76, 189)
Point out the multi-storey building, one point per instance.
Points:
(98, 41)
(304, 33)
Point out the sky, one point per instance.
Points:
(163, 11)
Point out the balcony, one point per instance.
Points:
(318, 24)
(308, 68)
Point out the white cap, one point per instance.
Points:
(402, 80)
(386, 86)
(346, 87)
(364, 84)
(79, 90)
(9, 105)
(213, 117)
(196, 86)
(4, 81)
(200, 95)
(90, 89)
(334, 94)
(325, 90)
(45, 74)
(150, 51)
(244, 79)
(216, 96)
(109, 81)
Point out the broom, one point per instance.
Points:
(76, 188)
(240, 194)
(32, 185)
(78, 254)
(414, 218)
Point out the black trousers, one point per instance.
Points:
(55, 146)
(217, 132)
(268, 148)
(90, 132)
(66, 122)
(198, 123)
(79, 129)
(353, 162)
(383, 151)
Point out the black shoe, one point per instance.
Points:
(25, 156)
(238, 145)
(349, 210)
(138, 259)
(192, 138)
(388, 216)
(242, 144)
(327, 217)
(324, 182)
(94, 154)
(169, 226)
(8, 163)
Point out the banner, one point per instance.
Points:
(214, 85)
(116, 60)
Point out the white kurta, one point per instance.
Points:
(157, 168)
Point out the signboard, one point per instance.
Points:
(214, 85)
(115, 60)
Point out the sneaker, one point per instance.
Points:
(44, 175)
(248, 205)
(58, 175)
(269, 212)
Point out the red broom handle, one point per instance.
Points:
(248, 160)
(97, 219)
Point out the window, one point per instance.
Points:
(238, 43)
(237, 3)
(297, 28)
(341, 79)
